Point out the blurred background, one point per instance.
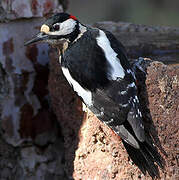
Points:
(149, 12)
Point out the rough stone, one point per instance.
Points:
(162, 87)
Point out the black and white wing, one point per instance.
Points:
(122, 90)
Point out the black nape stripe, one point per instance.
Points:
(73, 35)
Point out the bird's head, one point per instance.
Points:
(58, 28)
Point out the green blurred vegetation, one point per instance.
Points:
(149, 12)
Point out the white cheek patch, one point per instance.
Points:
(66, 27)
(84, 94)
(111, 56)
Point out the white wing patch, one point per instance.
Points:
(117, 71)
(84, 94)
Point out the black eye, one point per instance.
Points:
(56, 27)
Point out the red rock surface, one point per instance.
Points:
(163, 95)
(93, 151)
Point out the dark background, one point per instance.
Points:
(149, 12)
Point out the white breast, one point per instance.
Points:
(83, 93)
(116, 69)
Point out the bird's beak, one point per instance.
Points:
(39, 37)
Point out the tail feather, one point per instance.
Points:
(153, 169)
(145, 158)
(154, 153)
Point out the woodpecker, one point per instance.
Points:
(95, 65)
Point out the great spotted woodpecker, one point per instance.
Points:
(95, 64)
